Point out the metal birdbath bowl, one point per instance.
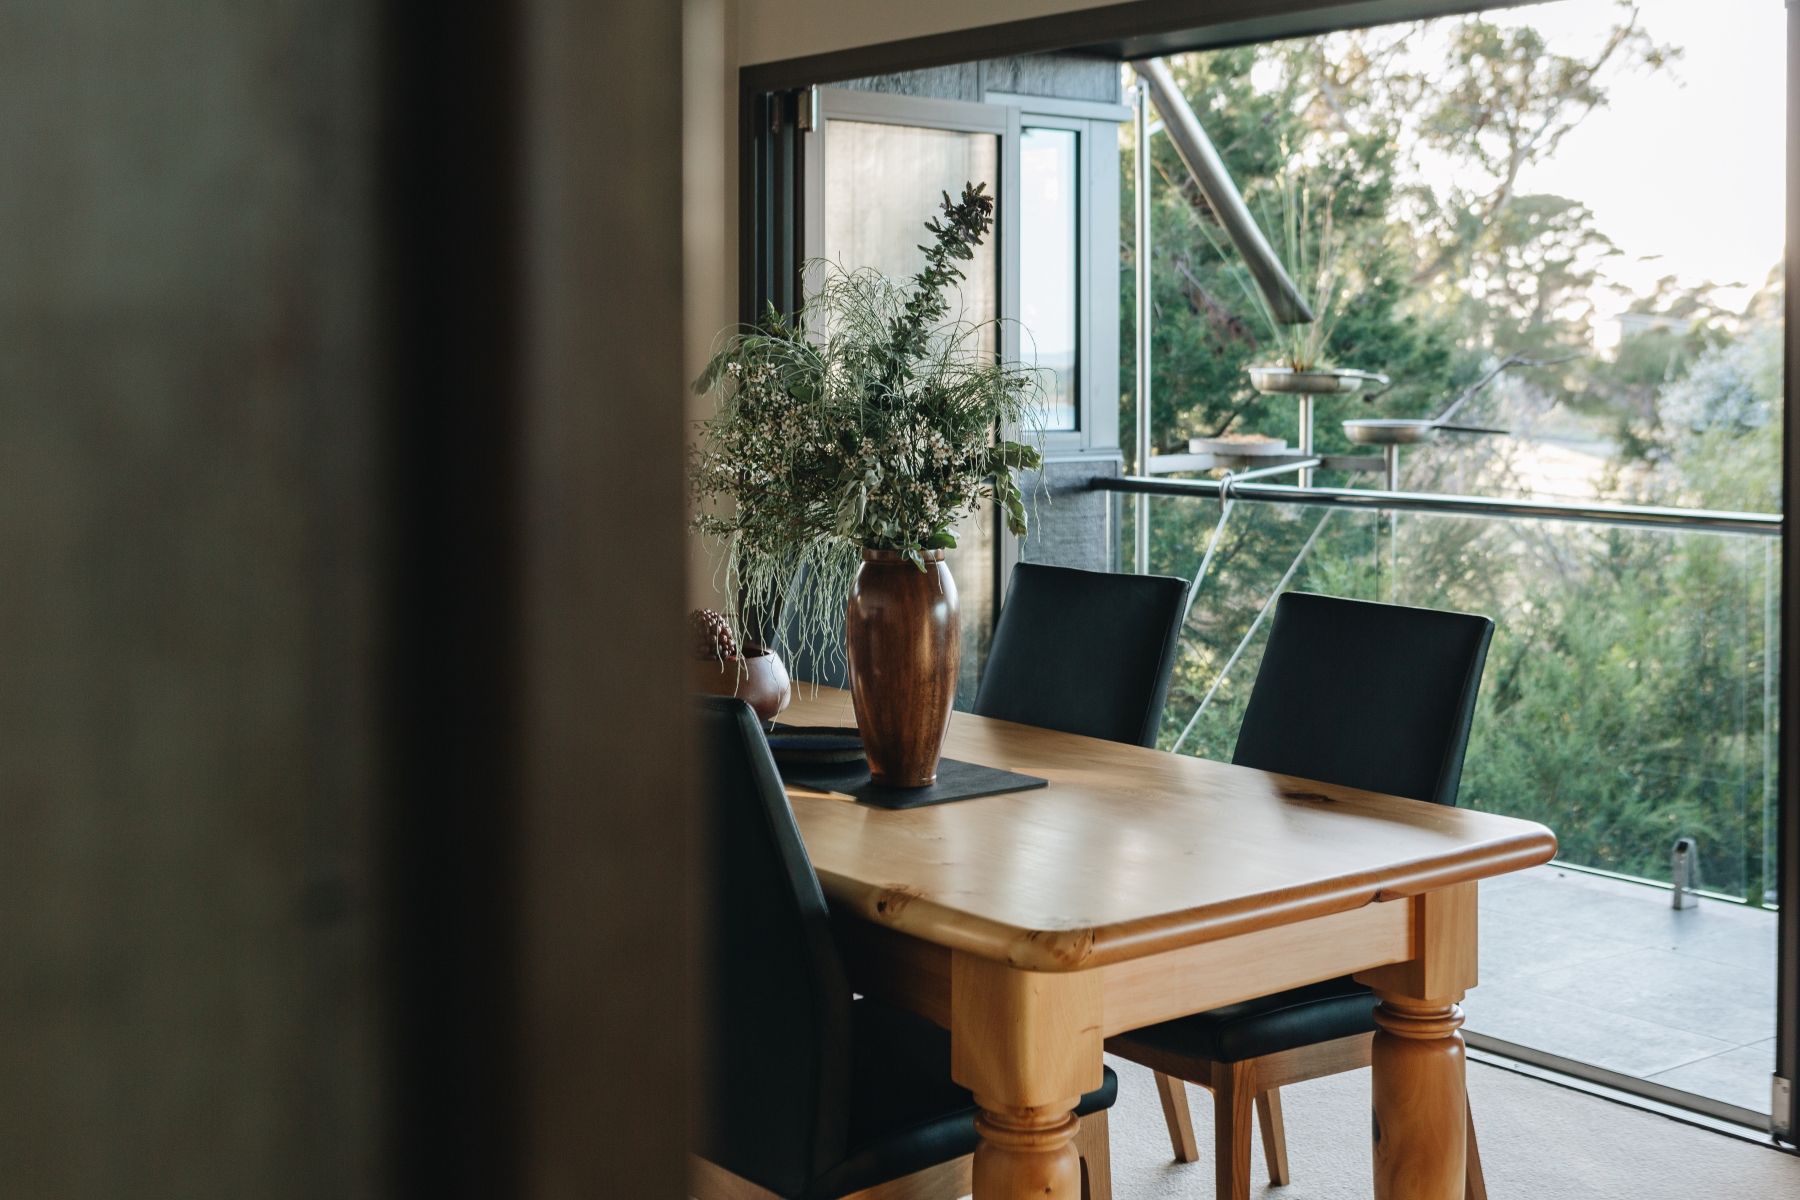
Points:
(1391, 433)
(1304, 385)
(1321, 381)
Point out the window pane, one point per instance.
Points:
(883, 182)
(1047, 268)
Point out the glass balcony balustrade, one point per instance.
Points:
(1629, 700)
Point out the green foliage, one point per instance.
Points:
(1304, 237)
(871, 422)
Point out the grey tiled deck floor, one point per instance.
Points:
(1603, 971)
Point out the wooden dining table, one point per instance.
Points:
(1140, 886)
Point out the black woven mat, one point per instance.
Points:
(956, 780)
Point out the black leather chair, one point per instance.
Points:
(1372, 696)
(813, 1094)
(1085, 652)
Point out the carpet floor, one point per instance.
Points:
(1538, 1142)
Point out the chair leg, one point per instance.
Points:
(1092, 1144)
(1274, 1135)
(1173, 1094)
(709, 1181)
(1233, 1107)
(1474, 1182)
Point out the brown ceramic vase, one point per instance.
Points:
(904, 638)
(758, 678)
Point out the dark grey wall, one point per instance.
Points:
(1072, 524)
(1064, 76)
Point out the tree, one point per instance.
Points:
(1504, 100)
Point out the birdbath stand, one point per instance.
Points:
(1305, 386)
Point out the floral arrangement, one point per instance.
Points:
(874, 420)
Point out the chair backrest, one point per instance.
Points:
(1085, 652)
(778, 1003)
(1371, 696)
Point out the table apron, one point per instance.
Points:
(1174, 983)
(1135, 992)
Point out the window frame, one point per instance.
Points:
(1096, 127)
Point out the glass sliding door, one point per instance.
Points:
(883, 181)
(876, 171)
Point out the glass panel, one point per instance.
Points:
(1628, 700)
(1464, 202)
(882, 182)
(1048, 249)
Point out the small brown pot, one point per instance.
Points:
(905, 639)
(758, 678)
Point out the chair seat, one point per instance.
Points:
(907, 1114)
(1304, 1016)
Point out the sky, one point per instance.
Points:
(1684, 168)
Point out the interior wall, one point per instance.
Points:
(606, 873)
(712, 231)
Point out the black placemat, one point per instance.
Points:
(956, 780)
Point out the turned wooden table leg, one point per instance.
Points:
(1024, 1152)
(1028, 1045)
(1421, 1113)
(1421, 1107)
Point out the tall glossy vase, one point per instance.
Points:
(904, 637)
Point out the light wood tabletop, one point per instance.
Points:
(1141, 886)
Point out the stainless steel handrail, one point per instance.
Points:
(1636, 516)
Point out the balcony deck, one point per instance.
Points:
(1605, 972)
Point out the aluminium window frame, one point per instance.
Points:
(1096, 127)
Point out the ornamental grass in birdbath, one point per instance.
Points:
(1295, 359)
(853, 439)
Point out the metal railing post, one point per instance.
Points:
(1141, 252)
(1684, 873)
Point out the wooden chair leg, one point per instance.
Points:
(1233, 1107)
(1173, 1094)
(1274, 1134)
(1474, 1182)
(709, 1181)
(1091, 1142)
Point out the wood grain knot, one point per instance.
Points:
(893, 900)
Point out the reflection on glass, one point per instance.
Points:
(882, 182)
(1047, 268)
